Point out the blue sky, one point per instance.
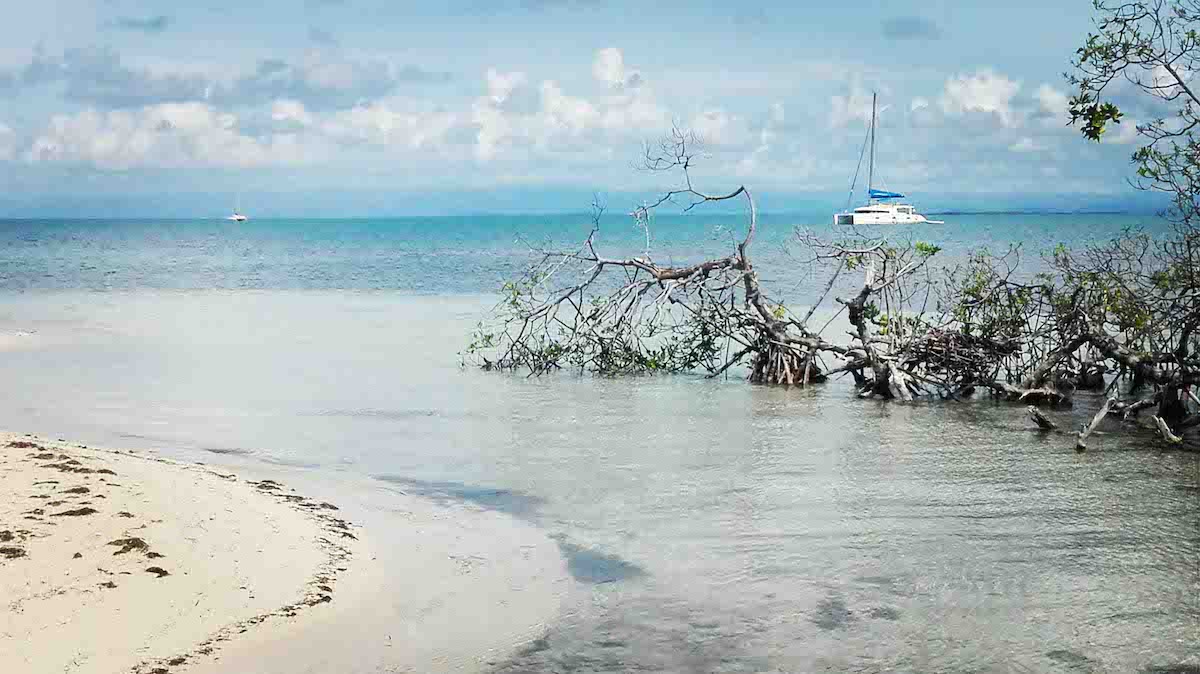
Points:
(129, 100)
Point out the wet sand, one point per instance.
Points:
(118, 561)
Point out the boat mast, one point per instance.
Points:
(871, 166)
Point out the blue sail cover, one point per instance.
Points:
(880, 194)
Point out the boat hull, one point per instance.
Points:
(879, 219)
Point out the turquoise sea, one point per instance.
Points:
(709, 525)
(444, 255)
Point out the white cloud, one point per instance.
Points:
(716, 127)
(855, 106)
(8, 143)
(1052, 102)
(501, 85)
(1165, 84)
(569, 113)
(169, 135)
(383, 125)
(609, 67)
(766, 140)
(517, 119)
(1124, 133)
(291, 111)
(585, 126)
(984, 91)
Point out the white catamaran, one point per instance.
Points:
(880, 210)
(237, 210)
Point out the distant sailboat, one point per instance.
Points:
(879, 209)
(237, 211)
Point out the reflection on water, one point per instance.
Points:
(593, 566)
(712, 526)
(515, 503)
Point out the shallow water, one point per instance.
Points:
(711, 526)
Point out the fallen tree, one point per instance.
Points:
(1119, 316)
(581, 309)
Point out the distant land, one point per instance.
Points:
(521, 201)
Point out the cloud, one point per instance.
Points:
(316, 81)
(982, 92)
(324, 80)
(150, 24)
(855, 105)
(169, 135)
(291, 112)
(609, 67)
(1124, 133)
(335, 110)
(517, 118)
(1052, 104)
(96, 75)
(321, 79)
(383, 125)
(8, 143)
(911, 28)
(767, 136)
(719, 128)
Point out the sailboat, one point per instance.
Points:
(880, 208)
(237, 211)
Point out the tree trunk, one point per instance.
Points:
(775, 363)
(1171, 408)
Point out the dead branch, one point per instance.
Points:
(1043, 422)
(1085, 431)
(1165, 433)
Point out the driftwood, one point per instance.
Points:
(1165, 431)
(1044, 395)
(1085, 431)
(1043, 422)
(1129, 411)
(898, 383)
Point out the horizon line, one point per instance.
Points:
(517, 214)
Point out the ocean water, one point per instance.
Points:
(453, 255)
(709, 525)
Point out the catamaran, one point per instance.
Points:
(880, 210)
(237, 211)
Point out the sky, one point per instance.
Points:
(293, 106)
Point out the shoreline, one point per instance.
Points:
(118, 561)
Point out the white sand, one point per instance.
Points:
(13, 340)
(251, 567)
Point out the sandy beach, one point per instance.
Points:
(119, 561)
